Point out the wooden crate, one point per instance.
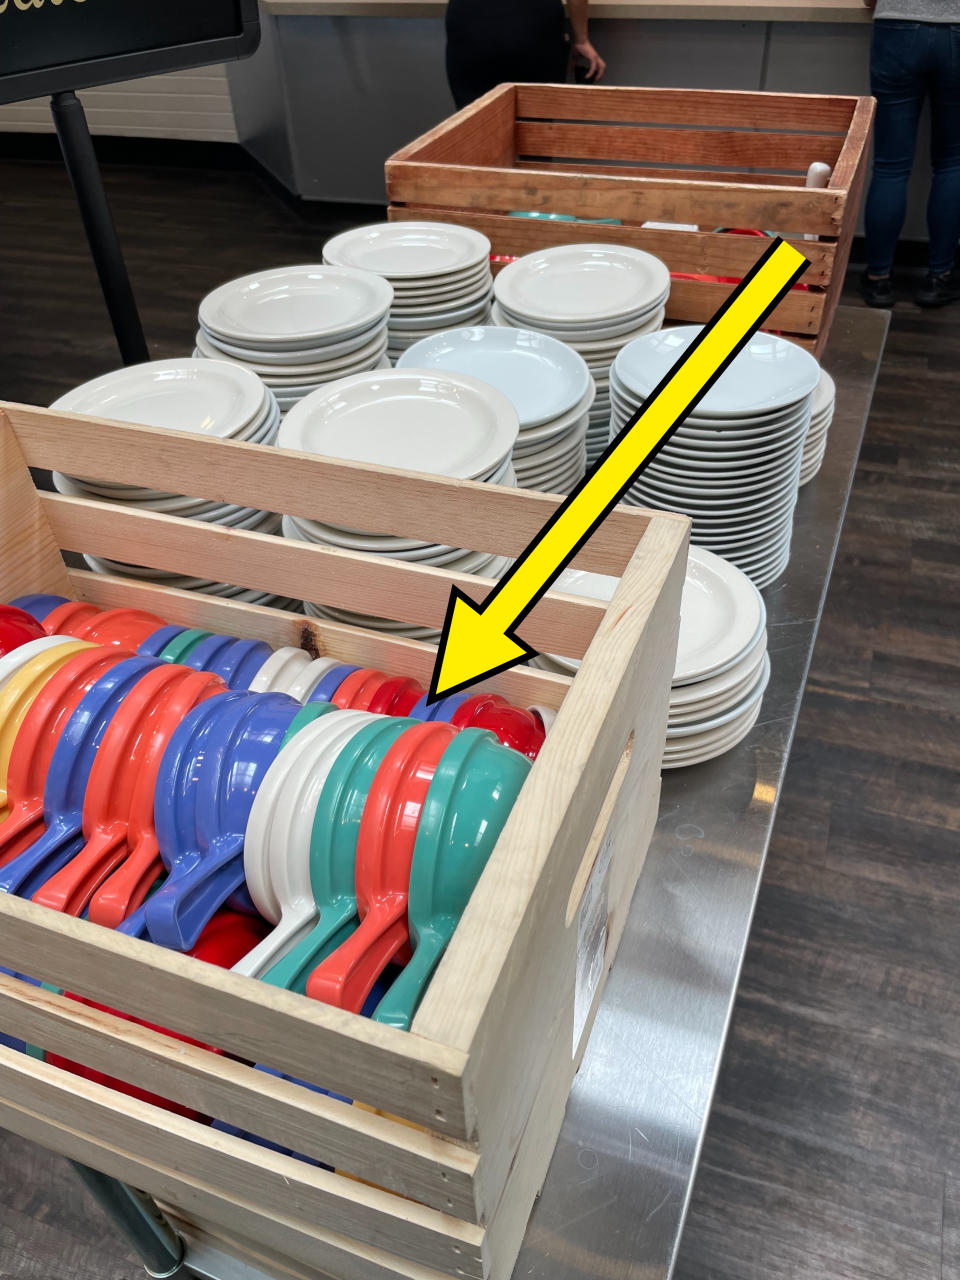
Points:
(486, 1069)
(709, 158)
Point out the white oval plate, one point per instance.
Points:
(543, 377)
(442, 424)
(409, 250)
(296, 304)
(206, 397)
(577, 284)
(770, 373)
(717, 746)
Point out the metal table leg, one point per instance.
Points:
(140, 1222)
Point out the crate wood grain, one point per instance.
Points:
(709, 158)
(468, 1104)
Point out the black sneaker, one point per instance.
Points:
(937, 291)
(877, 291)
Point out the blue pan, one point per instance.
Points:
(38, 606)
(330, 683)
(155, 644)
(241, 744)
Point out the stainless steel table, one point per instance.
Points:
(615, 1197)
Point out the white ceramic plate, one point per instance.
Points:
(770, 373)
(687, 698)
(619, 332)
(409, 250)
(207, 397)
(442, 424)
(710, 724)
(716, 746)
(404, 331)
(445, 290)
(577, 284)
(543, 377)
(417, 312)
(720, 615)
(296, 304)
(277, 357)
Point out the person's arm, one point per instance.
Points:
(577, 13)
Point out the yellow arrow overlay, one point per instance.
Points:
(478, 640)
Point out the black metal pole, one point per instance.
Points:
(141, 1222)
(81, 161)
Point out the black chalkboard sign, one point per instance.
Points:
(47, 46)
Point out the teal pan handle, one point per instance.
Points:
(398, 1006)
(336, 924)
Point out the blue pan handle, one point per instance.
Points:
(33, 867)
(179, 912)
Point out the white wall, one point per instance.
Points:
(186, 104)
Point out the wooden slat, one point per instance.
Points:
(518, 946)
(667, 199)
(481, 517)
(523, 686)
(484, 133)
(408, 1161)
(38, 1106)
(852, 169)
(787, 152)
(696, 301)
(724, 107)
(855, 147)
(406, 591)
(663, 171)
(398, 1072)
(31, 557)
(465, 128)
(704, 252)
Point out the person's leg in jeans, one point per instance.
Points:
(943, 209)
(899, 83)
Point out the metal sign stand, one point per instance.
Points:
(81, 161)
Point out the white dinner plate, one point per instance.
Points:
(543, 377)
(406, 330)
(277, 357)
(409, 250)
(413, 308)
(442, 424)
(710, 724)
(299, 304)
(770, 373)
(688, 697)
(207, 397)
(577, 284)
(717, 745)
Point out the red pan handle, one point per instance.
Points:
(346, 977)
(72, 887)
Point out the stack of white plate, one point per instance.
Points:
(445, 424)
(734, 465)
(722, 666)
(594, 297)
(547, 382)
(821, 416)
(440, 274)
(211, 398)
(298, 327)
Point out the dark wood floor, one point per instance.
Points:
(834, 1147)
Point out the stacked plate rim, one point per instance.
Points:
(594, 297)
(734, 465)
(425, 420)
(722, 667)
(547, 382)
(298, 327)
(821, 418)
(439, 272)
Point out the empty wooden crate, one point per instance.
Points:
(720, 161)
(467, 1106)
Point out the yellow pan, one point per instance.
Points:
(18, 695)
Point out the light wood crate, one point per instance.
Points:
(486, 1069)
(707, 158)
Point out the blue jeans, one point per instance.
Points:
(912, 61)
